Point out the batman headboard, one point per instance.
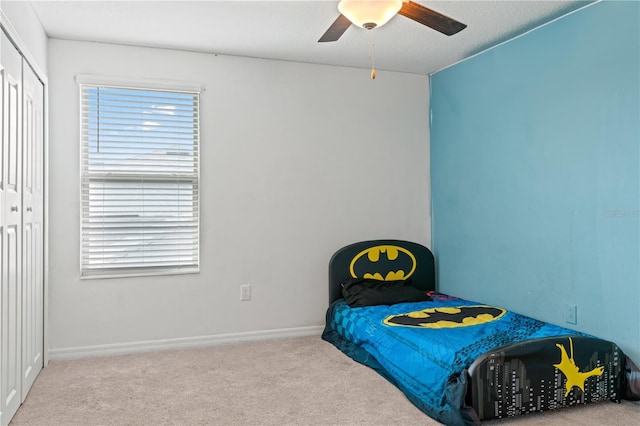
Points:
(384, 260)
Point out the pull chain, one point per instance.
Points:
(372, 55)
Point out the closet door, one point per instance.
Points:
(11, 198)
(32, 221)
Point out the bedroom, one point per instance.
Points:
(274, 181)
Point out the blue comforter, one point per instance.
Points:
(425, 348)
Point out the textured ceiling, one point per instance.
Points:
(289, 30)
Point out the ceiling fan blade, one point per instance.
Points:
(431, 18)
(336, 29)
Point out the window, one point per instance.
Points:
(139, 186)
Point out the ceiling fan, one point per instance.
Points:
(370, 14)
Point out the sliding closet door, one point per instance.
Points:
(32, 220)
(11, 198)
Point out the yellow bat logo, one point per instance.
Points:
(447, 317)
(398, 263)
(571, 371)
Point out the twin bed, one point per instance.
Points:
(459, 361)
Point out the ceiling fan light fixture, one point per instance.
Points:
(369, 13)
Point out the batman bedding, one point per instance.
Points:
(459, 361)
(428, 349)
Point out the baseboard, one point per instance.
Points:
(180, 343)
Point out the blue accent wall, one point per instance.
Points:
(535, 175)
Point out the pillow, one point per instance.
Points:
(369, 292)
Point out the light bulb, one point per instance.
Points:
(369, 13)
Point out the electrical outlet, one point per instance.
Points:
(245, 292)
(571, 314)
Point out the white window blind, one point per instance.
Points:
(140, 188)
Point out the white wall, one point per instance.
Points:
(21, 17)
(297, 161)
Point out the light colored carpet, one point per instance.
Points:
(301, 381)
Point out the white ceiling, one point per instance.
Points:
(289, 30)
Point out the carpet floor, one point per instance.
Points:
(299, 381)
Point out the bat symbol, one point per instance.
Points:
(447, 317)
(384, 263)
(571, 371)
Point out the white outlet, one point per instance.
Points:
(245, 292)
(571, 315)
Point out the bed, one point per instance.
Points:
(460, 361)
